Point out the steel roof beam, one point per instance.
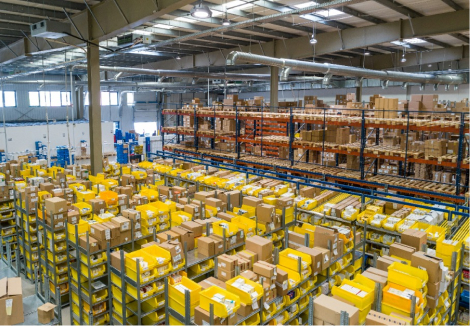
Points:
(58, 3)
(31, 11)
(452, 4)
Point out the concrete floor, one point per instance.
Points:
(31, 301)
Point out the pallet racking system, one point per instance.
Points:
(296, 120)
(10, 233)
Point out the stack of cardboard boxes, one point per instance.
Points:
(435, 147)
(386, 108)
(11, 301)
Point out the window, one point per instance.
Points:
(48, 99)
(107, 98)
(130, 98)
(10, 99)
(145, 127)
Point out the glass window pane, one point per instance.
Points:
(55, 99)
(105, 98)
(1, 100)
(33, 99)
(113, 98)
(10, 98)
(145, 127)
(87, 100)
(130, 98)
(45, 98)
(65, 98)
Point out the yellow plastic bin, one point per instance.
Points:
(245, 297)
(392, 301)
(220, 310)
(412, 277)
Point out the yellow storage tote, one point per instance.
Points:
(219, 227)
(411, 277)
(360, 291)
(289, 258)
(147, 265)
(234, 286)
(162, 259)
(83, 208)
(220, 309)
(395, 299)
(110, 197)
(177, 295)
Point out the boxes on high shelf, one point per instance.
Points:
(430, 102)
(352, 162)
(317, 135)
(306, 135)
(342, 135)
(330, 134)
(229, 125)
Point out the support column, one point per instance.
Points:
(359, 93)
(94, 110)
(274, 88)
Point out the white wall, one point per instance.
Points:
(22, 138)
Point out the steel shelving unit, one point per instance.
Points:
(363, 122)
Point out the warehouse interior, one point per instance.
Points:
(234, 162)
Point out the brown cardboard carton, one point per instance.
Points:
(73, 217)
(202, 317)
(329, 310)
(225, 216)
(56, 205)
(46, 313)
(378, 318)
(429, 263)
(226, 262)
(414, 238)
(206, 246)
(186, 236)
(376, 278)
(266, 213)
(296, 240)
(377, 271)
(164, 236)
(93, 244)
(317, 257)
(98, 206)
(116, 259)
(261, 246)
(309, 192)
(324, 236)
(100, 232)
(265, 270)
(123, 223)
(218, 244)
(401, 251)
(175, 250)
(194, 227)
(385, 261)
(252, 201)
(114, 228)
(11, 293)
(326, 257)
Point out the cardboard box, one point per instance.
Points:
(317, 258)
(329, 310)
(377, 271)
(414, 238)
(266, 270)
(11, 291)
(296, 240)
(202, 317)
(206, 246)
(378, 318)
(116, 259)
(385, 261)
(56, 205)
(401, 251)
(46, 313)
(123, 223)
(376, 278)
(98, 206)
(92, 242)
(326, 257)
(100, 232)
(325, 235)
(212, 281)
(261, 246)
(194, 227)
(168, 235)
(175, 250)
(266, 213)
(73, 217)
(218, 244)
(429, 263)
(226, 262)
(186, 236)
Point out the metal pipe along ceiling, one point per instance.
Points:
(194, 74)
(331, 69)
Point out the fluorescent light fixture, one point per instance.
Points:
(329, 13)
(143, 52)
(226, 22)
(185, 19)
(163, 26)
(143, 32)
(305, 4)
(239, 4)
(414, 40)
(367, 52)
(313, 40)
(201, 11)
(178, 57)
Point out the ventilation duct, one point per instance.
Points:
(331, 69)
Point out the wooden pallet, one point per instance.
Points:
(447, 158)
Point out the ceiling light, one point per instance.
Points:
(313, 40)
(201, 11)
(163, 26)
(186, 20)
(226, 22)
(414, 40)
(305, 4)
(329, 13)
(403, 59)
(400, 43)
(429, 65)
(367, 52)
(178, 57)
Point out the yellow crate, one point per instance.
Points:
(392, 302)
(293, 277)
(253, 320)
(58, 235)
(244, 296)
(118, 309)
(84, 208)
(436, 233)
(132, 291)
(139, 175)
(290, 301)
(289, 258)
(179, 297)
(180, 217)
(57, 258)
(181, 308)
(447, 247)
(82, 226)
(151, 194)
(230, 228)
(247, 225)
(412, 277)
(117, 294)
(366, 286)
(95, 297)
(147, 272)
(95, 258)
(202, 267)
(95, 272)
(220, 310)
(100, 320)
(110, 197)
